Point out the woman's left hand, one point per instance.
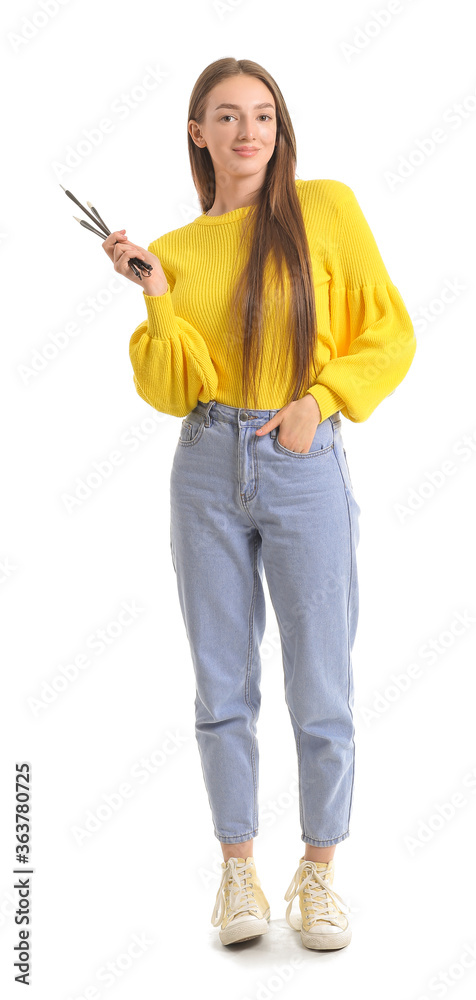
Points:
(300, 419)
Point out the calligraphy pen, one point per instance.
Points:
(135, 263)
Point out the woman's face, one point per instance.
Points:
(240, 112)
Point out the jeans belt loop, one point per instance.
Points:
(207, 412)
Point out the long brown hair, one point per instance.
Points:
(278, 228)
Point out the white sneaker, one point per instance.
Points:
(322, 922)
(241, 905)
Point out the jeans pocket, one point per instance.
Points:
(191, 430)
(322, 442)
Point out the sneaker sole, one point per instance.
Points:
(245, 930)
(325, 941)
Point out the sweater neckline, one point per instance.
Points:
(234, 216)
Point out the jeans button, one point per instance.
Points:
(244, 416)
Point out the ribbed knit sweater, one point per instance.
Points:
(365, 341)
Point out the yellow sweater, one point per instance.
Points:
(365, 337)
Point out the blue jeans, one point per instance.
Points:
(240, 503)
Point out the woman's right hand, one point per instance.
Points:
(120, 250)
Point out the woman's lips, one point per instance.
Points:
(246, 152)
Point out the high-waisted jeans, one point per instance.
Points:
(241, 503)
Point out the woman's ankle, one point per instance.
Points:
(242, 850)
(319, 853)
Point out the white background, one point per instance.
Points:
(151, 869)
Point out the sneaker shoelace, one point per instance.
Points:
(234, 881)
(316, 891)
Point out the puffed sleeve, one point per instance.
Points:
(170, 359)
(372, 330)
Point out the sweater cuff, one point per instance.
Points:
(329, 402)
(162, 321)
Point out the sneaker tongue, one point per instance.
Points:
(322, 866)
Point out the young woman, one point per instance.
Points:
(268, 316)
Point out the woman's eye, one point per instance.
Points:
(232, 116)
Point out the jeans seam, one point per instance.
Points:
(247, 682)
(325, 843)
(239, 839)
(244, 500)
(351, 575)
(346, 493)
(301, 808)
